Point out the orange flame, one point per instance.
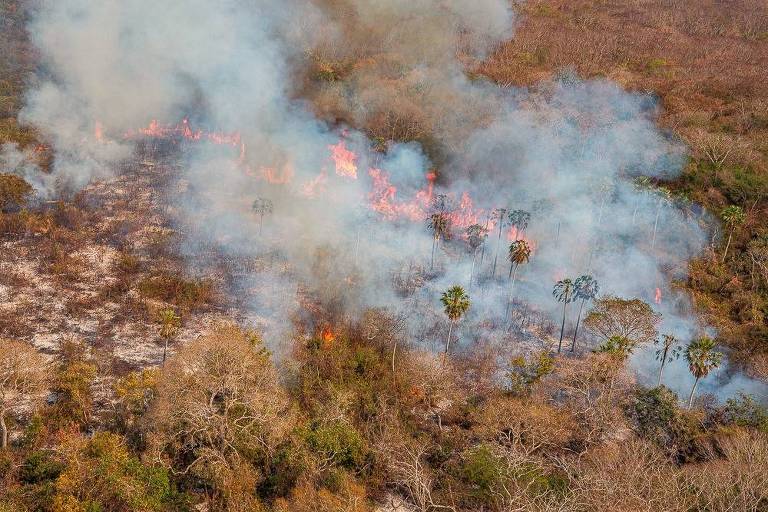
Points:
(657, 298)
(344, 160)
(328, 337)
(98, 131)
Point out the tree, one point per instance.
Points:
(23, 373)
(475, 235)
(262, 206)
(519, 253)
(219, 410)
(563, 292)
(456, 303)
(632, 319)
(519, 219)
(500, 214)
(585, 288)
(439, 223)
(667, 353)
(732, 216)
(701, 358)
(169, 326)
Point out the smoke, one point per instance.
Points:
(282, 74)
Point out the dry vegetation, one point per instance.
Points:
(363, 420)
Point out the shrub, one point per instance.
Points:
(339, 442)
(176, 290)
(14, 192)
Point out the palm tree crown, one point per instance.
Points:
(701, 357)
(519, 252)
(440, 224)
(456, 302)
(564, 290)
(585, 288)
(519, 219)
(476, 235)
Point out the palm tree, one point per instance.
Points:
(667, 353)
(563, 292)
(456, 303)
(440, 224)
(262, 206)
(476, 235)
(664, 198)
(500, 215)
(732, 216)
(585, 288)
(519, 253)
(519, 219)
(169, 326)
(702, 358)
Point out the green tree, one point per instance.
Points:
(439, 222)
(519, 253)
(732, 216)
(563, 292)
(169, 326)
(585, 288)
(668, 352)
(262, 206)
(475, 236)
(702, 358)
(456, 303)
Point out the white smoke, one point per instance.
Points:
(567, 152)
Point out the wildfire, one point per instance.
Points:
(657, 297)
(184, 130)
(327, 336)
(98, 131)
(344, 160)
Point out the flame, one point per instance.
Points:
(328, 337)
(98, 131)
(275, 177)
(185, 131)
(344, 160)
(657, 297)
(311, 187)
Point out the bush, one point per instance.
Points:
(176, 290)
(339, 442)
(14, 192)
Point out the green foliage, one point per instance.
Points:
(338, 443)
(482, 469)
(40, 466)
(701, 356)
(456, 302)
(745, 411)
(618, 346)
(524, 373)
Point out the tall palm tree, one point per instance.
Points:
(440, 224)
(169, 325)
(702, 358)
(563, 292)
(668, 352)
(585, 288)
(476, 235)
(519, 253)
(456, 303)
(500, 214)
(732, 216)
(262, 206)
(519, 219)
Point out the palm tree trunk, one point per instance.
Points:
(656, 225)
(472, 271)
(575, 332)
(693, 390)
(432, 261)
(3, 431)
(496, 256)
(450, 330)
(562, 329)
(261, 223)
(511, 292)
(727, 245)
(663, 362)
